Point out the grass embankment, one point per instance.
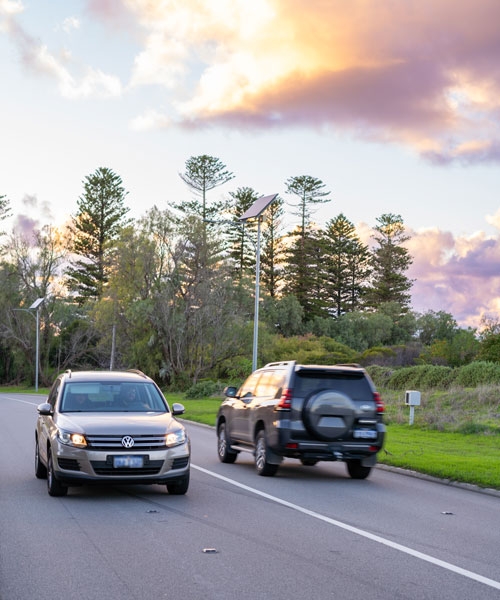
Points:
(455, 435)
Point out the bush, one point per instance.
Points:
(309, 349)
(377, 356)
(478, 373)
(380, 375)
(421, 377)
(204, 389)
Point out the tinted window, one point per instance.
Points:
(53, 393)
(248, 388)
(354, 385)
(269, 383)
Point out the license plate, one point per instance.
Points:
(131, 462)
(365, 434)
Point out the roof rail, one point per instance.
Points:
(68, 372)
(279, 363)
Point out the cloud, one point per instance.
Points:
(149, 120)
(418, 73)
(10, 7)
(421, 73)
(37, 58)
(69, 24)
(459, 275)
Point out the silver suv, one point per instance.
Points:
(309, 412)
(110, 427)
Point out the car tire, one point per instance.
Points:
(356, 470)
(225, 454)
(262, 465)
(40, 468)
(178, 487)
(54, 486)
(328, 415)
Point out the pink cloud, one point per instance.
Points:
(457, 275)
(420, 73)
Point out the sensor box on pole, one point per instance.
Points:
(412, 398)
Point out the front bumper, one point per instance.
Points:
(81, 466)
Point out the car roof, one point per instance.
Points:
(325, 368)
(124, 376)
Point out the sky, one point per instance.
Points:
(393, 104)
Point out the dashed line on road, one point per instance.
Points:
(366, 534)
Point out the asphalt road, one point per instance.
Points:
(308, 532)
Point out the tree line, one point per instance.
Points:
(172, 293)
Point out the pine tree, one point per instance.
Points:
(5, 210)
(241, 236)
(310, 191)
(273, 248)
(95, 229)
(345, 266)
(204, 173)
(302, 275)
(390, 261)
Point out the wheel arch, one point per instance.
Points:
(258, 426)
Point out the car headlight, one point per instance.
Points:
(71, 439)
(175, 438)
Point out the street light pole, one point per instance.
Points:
(255, 212)
(36, 306)
(257, 297)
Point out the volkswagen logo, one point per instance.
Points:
(127, 441)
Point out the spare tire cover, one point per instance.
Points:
(328, 414)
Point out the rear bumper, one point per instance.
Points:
(291, 447)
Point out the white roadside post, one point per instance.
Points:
(412, 399)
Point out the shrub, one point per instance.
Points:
(478, 373)
(421, 377)
(203, 389)
(377, 355)
(380, 375)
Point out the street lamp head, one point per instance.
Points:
(36, 303)
(258, 207)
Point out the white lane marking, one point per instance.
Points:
(19, 400)
(375, 538)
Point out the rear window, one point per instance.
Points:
(354, 385)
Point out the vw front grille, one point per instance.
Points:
(114, 442)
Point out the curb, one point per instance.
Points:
(450, 482)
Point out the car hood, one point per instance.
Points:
(119, 423)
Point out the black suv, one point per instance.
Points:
(309, 412)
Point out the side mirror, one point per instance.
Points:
(230, 392)
(44, 409)
(177, 408)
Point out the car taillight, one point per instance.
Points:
(379, 404)
(285, 402)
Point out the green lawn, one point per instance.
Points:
(469, 458)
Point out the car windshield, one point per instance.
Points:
(112, 396)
